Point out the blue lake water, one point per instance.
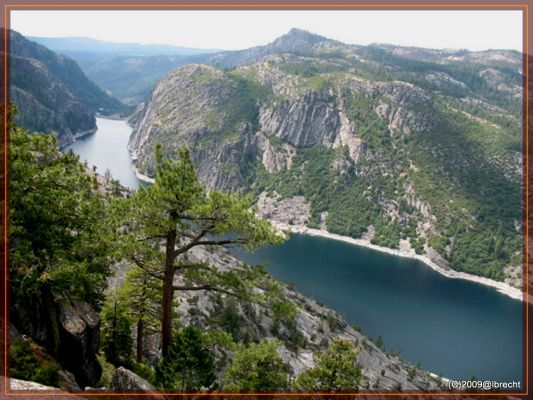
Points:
(107, 148)
(455, 328)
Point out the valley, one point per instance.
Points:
(360, 283)
(290, 203)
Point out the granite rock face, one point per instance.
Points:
(79, 332)
(126, 381)
(396, 125)
(69, 331)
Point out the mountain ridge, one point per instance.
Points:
(52, 92)
(372, 140)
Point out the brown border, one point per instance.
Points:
(9, 5)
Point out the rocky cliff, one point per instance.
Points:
(400, 143)
(52, 93)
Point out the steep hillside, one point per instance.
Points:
(303, 326)
(127, 71)
(412, 148)
(53, 93)
(131, 78)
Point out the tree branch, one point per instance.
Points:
(194, 242)
(206, 287)
(142, 265)
(197, 242)
(151, 237)
(222, 242)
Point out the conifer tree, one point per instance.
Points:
(142, 295)
(178, 214)
(116, 331)
(335, 369)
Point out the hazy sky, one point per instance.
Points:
(475, 30)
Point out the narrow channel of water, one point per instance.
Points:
(107, 149)
(455, 328)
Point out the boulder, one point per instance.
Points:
(67, 381)
(124, 380)
(68, 330)
(19, 384)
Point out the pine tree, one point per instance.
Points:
(188, 365)
(336, 369)
(257, 367)
(116, 331)
(178, 214)
(142, 295)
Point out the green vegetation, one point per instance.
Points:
(257, 367)
(372, 128)
(188, 365)
(142, 298)
(336, 369)
(117, 343)
(22, 361)
(351, 207)
(57, 230)
(175, 208)
(241, 107)
(23, 364)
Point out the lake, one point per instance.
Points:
(455, 328)
(107, 149)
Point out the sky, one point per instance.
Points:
(232, 30)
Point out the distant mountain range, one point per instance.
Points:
(411, 148)
(127, 71)
(68, 45)
(52, 92)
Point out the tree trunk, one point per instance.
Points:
(140, 329)
(168, 291)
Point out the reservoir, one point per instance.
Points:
(455, 328)
(107, 149)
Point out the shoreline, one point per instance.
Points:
(140, 176)
(501, 287)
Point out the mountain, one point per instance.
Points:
(127, 71)
(68, 45)
(52, 92)
(131, 78)
(412, 152)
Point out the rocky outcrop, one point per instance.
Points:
(79, 333)
(309, 120)
(21, 385)
(290, 211)
(68, 330)
(124, 380)
(276, 157)
(67, 381)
